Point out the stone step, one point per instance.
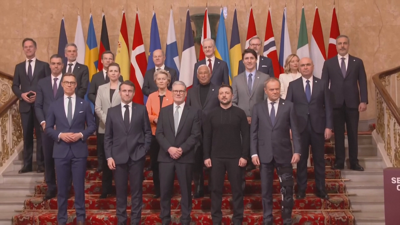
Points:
(369, 218)
(362, 140)
(367, 203)
(364, 150)
(11, 204)
(15, 177)
(17, 189)
(369, 162)
(367, 175)
(365, 188)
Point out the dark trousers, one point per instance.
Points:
(106, 180)
(350, 117)
(49, 168)
(134, 171)
(65, 168)
(235, 177)
(198, 175)
(154, 149)
(285, 173)
(30, 123)
(317, 142)
(167, 174)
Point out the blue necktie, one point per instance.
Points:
(272, 114)
(343, 67)
(249, 82)
(308, 90)
(69, 112)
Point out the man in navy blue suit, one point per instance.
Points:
(48, 91)
(74, 120)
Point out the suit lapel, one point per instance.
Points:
(216, 65)
(244, 79)
(170, 115)
(76, 68)
(119, 117)
(266, 112)
(209, 94)
(185, 113)
(280, 108)
(302, 89)
(350, 66)
(133, 113)
(62, 106)
(315, 88)
(78, 106)
(115, 95)
(198, 93)
(255, 83)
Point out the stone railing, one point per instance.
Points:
(387, 84)
(10, 122)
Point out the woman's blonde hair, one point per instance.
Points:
(163, 72)
(287, 62)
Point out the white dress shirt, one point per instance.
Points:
(73, 103)
(104, 73)
(33, 63)
(346, 60)
(161, 67)
(258, 61)
(123, 110)
(180, 110)
(73, 66)
(305, 83)
(252, 77)
(212, 61)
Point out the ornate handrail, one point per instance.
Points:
(11, 100)
(388, 115)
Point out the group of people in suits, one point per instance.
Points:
(258, 121)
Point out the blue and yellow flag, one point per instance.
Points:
(92, 52)
(235, 51)
(221, 44)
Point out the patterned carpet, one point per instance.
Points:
(309, 211)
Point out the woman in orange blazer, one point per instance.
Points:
(155, 101)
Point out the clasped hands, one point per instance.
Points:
(242, 162)
(70, 137)
(175, 153)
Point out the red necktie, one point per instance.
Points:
(210, 65)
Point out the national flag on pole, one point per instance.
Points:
(317, 52)
(172, 56)
(104, 42)
(335, 32)
(302, 45)
(286, 49)
(251, 29)
(235, 51)
(188, 54)
(80, 42)
(62, 42)
(154, 41)
(138, 62)
(205, 33)
(122, 55)
(221, 44)
(270, 46)
(92, 53)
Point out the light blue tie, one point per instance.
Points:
(272, 114)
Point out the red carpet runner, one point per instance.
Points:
(310, 211)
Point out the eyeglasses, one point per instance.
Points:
(178, 91)
(72, 83)
(255, 44)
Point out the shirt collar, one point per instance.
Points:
(72, 96)
(345, 57)
(304, 79)
(104, 71)
(212, 58)
(181, 105)
(73, 63)
(123, 105)
(33, 60)
(252, 72)
(59, 77)
(269, 101)
(161, 67)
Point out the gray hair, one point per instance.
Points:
(343, 36)
(255, 37)
(178, 82)
(209, 39)
(203, 65)
(71, 44)
(270, 79)
(166, 73)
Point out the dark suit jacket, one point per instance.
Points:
(44, 97)
(264, 67)
(81, 73)
(22, 84)
(149, 86)
(83, 121)
(273, 142)
(97, 80)
(350, 90)
(319, 109)
(212, 102)
(121, 144)
(220, 73)
(187, 137)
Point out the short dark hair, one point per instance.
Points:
(114, 64)
(129, 83)
(29, 39)
(225, 86)
(344, 36)
(251, 51)
(107, 52)
(68, 75)
(56, 56)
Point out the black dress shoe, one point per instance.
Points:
(156, 196)
(322, 194)
(49, 195)
(103, 195)
(338, 166)
(40, 169)
(356, 167)
(25, 170)
(300, 194)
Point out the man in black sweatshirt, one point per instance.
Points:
(226, 149)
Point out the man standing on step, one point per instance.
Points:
(226, 149)
(49, 90)
(310, 96)
(178, 133)
(80, 71)
(346, 75)
(69, 123)
(127, 139)
(26, 76)
(270, 147)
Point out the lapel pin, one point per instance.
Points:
(212, 89)
(283, 103)
(354, 60)
(81, 102)
(316, 81)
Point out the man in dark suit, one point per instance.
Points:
(80, 71)
(203, 97)
(270, 147)
(149, 86)
(264, 64)
(74, 122)
(26, 76)
(98, 79)
(346, 75)
(311, 99)
(178, 132)
(219, 69)
(48, 91)
(127, 139)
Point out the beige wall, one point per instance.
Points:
(372, 25)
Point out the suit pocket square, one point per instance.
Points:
(80, 111)
(264, 66)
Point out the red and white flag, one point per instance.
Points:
(335, 32)
(251, 29)
(317, 53)
(205, 33)
(138, 62)
(270, 46)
